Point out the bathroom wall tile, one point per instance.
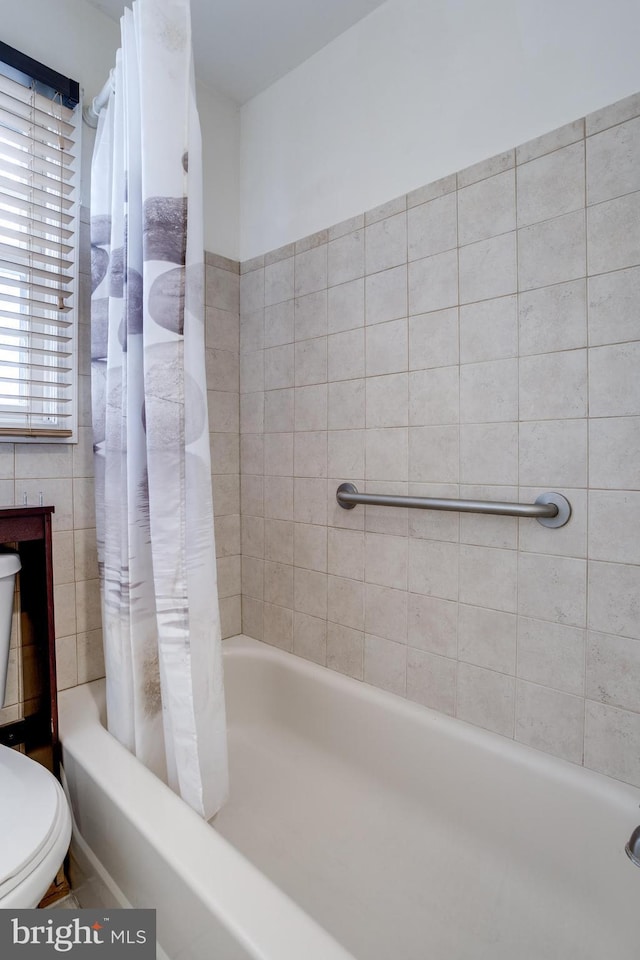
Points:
(310, 361)
(43, 460)
(222, 288)
(553, 386)
(434, 454)
(278, 454)
(612, 162)
(278, 281)
(552, 588)
(89, 648)
(432, 227)
(346, 405)
(252, 618)
(226, 490)
(346, 453)
(229, 576)
(222, 328)
(346, 554)
(553, 453)
(346, 226)
(613, 594)
(387, 454)
(386, 560)
(252, 495)
(84, 503)
(386, 295)
(278, 626)
(310, 454)
(612, 742)
(434, 396)
(433, 625)
(278, 583)
(382, 520)
(488, 530)
(614, 453)
(614, 386)
(489, 330)
(486, 168)
(386, 401)
(431, 680)
(550, 721)
(345, 306)
(489, 453)
(553, 318)
(279, 367)
(278, 498)
(311, 407)
(486, 699)
(7, 461)
(345, 650)
(251, 373)
(384, 210)
(613, 670)
(310, 592)
(346, 258)
(310, 547)
(227, 534)
(310, 270)
(310, 638)
(551, 654)
(385, 610)
(551, 185)
(614, 526)
(438, 188)
(63, 556)
(252, 536)
(66, 664)
(251, 292)
(311, 315)
(310, 500)
(487, 208)
(612, 114)
(488, 577)
(433, 283)
(385, 664)
(278, 541)
(225, 453)
(434, 524)
(613, 234)
(570, 540)
(253, 578)
(230, 616)
(252, 412)
(312, 240)
(345, 355)
(433, 339)
(487, 638)
(86, 554)
(488, 268)
(386, 348)
(548, 142)
(489, 391)
(386, 243)
(88, 606)
(251, 338)
(346, 602)
(224, 411)
(255, 263)
(279, 324)
(223, 369)
(433, 568)
(552, 252)
(278, 411)
(613, 307)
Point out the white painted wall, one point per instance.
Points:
(417, 90)
(79, 41)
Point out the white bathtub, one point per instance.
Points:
(359, 825)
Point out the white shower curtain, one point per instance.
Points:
(156, 549)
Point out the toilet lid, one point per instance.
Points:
(29, 802)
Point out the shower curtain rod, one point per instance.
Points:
(91, 113)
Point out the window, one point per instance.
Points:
(39, 132)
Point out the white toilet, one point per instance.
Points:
(35, 821)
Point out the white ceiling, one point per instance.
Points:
(243, 46)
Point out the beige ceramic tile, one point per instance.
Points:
(487, 208)
(278, 584)
(486, 699)
(433, 568)
(386, 243)
(311, 407)
(614, 385)
(613, 307)
(551, 654)
(553, 318)
(386, 401)
(385, 611)
(385, 664)
(433, 283)
(612, 162)
(311, 315)
(489, 330)
(310, 546)
(613, 598)
(310, 638)
(550, 721)
(553, 386)
(614, 453)
(433, 339)
(614, 526)
(345, 306)
(431, 680)
(310, 270)
(386, 295)
(487, 638)
(489, 453)
(433, 625)
(346, 258)
(489, 391)
(548, 142)
(432, 227)
(345, 650)
(552, 588)
(613, 670)
(386, 560)
(488, 268)
(613, 234)
(386, 348)
(612, 742)
(552, 252)
(434, 454)
(551, 185)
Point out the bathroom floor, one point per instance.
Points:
(379, 872)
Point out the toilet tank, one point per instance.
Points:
(9, 566)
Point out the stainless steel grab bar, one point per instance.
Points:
(550, 509)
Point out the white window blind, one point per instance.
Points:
(37, 263)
